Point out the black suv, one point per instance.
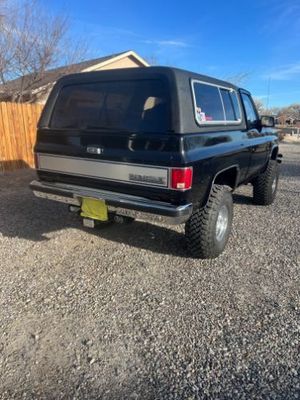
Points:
(126, 143)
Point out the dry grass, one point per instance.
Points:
(291, 139)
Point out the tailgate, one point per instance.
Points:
(136, 164)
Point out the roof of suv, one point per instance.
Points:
(182, 105)
(131, 73)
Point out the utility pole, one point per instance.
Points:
(268, 93)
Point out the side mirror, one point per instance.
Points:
(268, 122)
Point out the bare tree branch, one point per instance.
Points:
(32, 42)
(260, 106)
(238, 79)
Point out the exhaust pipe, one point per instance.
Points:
(74, 209)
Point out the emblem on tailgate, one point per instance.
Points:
(94, 150)
(157, 180)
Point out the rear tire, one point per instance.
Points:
(265, 185)
(208, 229)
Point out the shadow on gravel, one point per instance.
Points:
(290, 169)
(24, 216)
(241, 199)
(28, 218)
(146, 236)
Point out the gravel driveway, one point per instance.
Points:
(121, 313)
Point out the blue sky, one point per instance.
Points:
(260, 38)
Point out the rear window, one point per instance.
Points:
(135, 105)
(215, 105)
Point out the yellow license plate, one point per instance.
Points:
(93, 208)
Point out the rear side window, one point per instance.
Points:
(231, 107)
(215, 105)
(250, 110)
(136, 105)
(208, 103)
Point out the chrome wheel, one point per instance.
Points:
(274, 184)
(222, 223)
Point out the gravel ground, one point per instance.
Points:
(122, 313)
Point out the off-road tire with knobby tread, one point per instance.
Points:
(263, 193)
(200, 229)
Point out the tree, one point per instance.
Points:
(289, 115)
(238, 79)
(31, 42)
(262, 110)
(293, 111)
(259, 106)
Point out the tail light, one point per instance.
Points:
(181, 178)
(36, 160)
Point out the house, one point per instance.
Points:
(287, 120)
(35, 88)
(293, 122)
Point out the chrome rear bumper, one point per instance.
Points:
(121, 204)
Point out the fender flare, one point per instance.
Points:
(236, 167)
(275, 146)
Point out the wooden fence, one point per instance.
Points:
(17, 135)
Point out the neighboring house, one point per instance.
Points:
(35, 88)
(285, 119)
(293, 122)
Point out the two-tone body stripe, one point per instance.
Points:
(105, 170)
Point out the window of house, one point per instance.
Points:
(215, 105)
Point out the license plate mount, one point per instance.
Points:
(94, 209)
